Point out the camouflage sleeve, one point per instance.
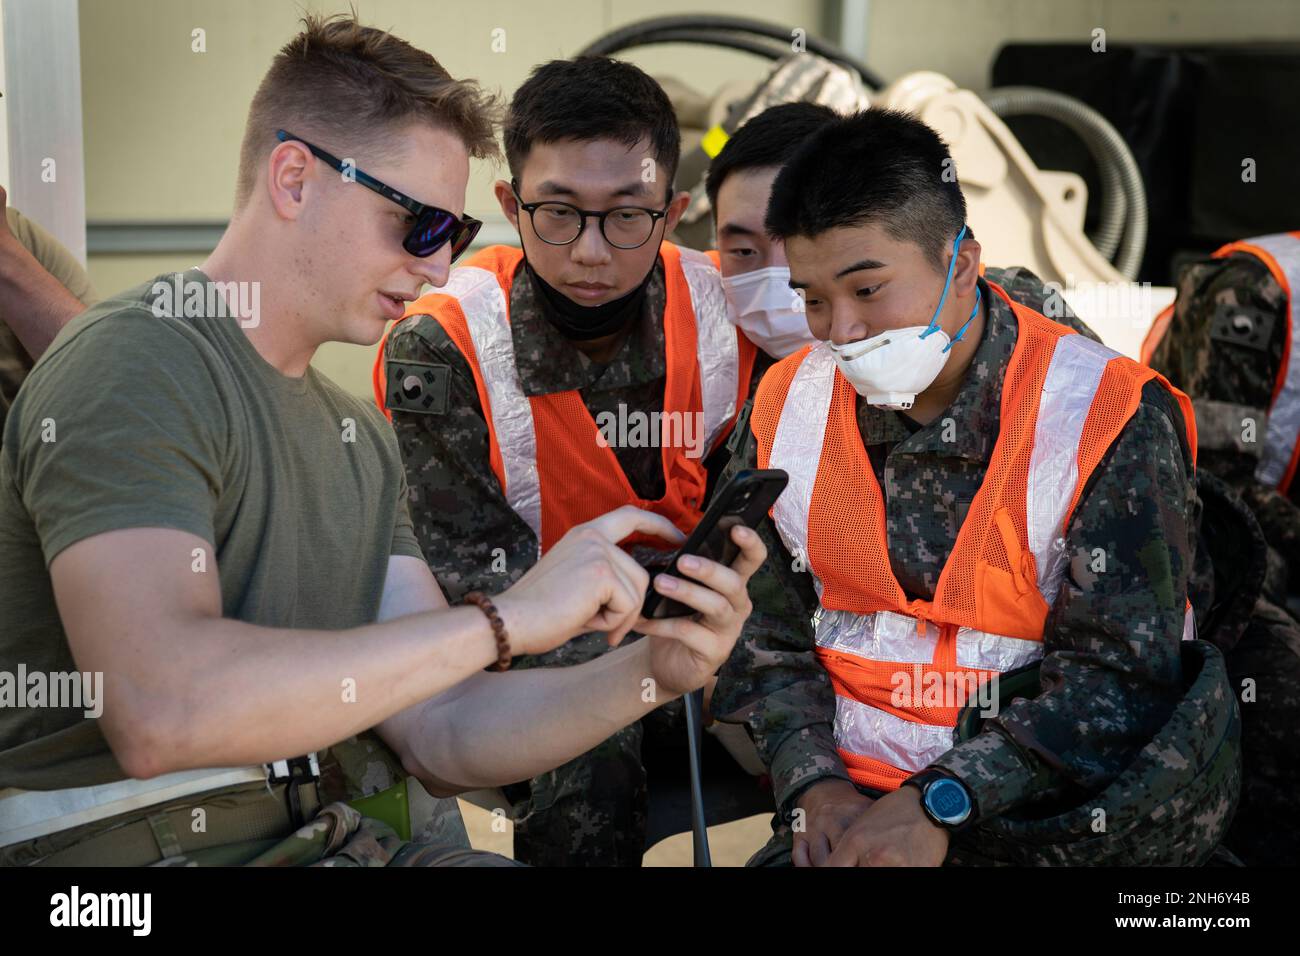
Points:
(471, 538)
(1044, 298)
(772, 682)
(1279, 519)
(1111, 671)
(1224, 348)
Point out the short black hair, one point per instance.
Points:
(589, 98)
(766, 140)
(875, 166)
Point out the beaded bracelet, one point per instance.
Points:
(484, 604)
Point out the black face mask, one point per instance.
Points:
(582, 323)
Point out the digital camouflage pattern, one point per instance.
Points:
(471, 537)
(364, 765)
(1264, 673)
(591, 810)
(1224, 347)
(1112, 645)
(1115, 827)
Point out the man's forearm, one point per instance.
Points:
(32, 302)
(501, 728)
(237, 694)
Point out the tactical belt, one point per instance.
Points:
(29, 814)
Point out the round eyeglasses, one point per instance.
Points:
(560, 223)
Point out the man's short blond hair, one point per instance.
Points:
(350, 88)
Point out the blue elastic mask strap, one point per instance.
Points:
(952, 265)
(971, 318)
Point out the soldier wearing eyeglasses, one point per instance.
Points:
(498, 385)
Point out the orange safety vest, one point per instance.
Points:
(1065, 399)
(549, 456)
(1281, 453)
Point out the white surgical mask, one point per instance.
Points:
(762, 304)
(892, 368)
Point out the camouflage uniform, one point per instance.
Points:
(1228, 367)
(591, 810)
(1112, 642)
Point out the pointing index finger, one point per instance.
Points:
(618, 524)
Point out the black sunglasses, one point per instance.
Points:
(433, 227)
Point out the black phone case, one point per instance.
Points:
(745, 499)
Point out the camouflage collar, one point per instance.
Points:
(974, 414)
(547, 362)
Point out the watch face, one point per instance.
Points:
(948, 801)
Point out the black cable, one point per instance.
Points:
(644, 31)
(763, 48)
(713, 38)
(694, 702)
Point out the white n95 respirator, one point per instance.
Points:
(890, 369)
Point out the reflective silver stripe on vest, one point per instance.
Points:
(487, 315)
(797, 447)
(871, 732)
(1071, 382)
(1070, 385)
(980, 650)
(883, 636)
(889, 636)
(716, 349)
(28, 814)
(1284, 417)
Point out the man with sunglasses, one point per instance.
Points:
(226, 644)
(431, 226)
(510, 388)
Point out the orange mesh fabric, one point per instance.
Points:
(769, 399)
(378, 374)
(876, 682)
(876, 774)
(1276, 270)
(579, 478)
(855, 575)
(990, 580)
(1157, 332)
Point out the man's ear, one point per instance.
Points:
(290, 174)
(968, 267)
(676, 207)
(506, 199)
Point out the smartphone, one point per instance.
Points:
(745, 499)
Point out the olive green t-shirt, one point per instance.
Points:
(135, 420)
(15, 363)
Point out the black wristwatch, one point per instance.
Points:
(945, 799)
